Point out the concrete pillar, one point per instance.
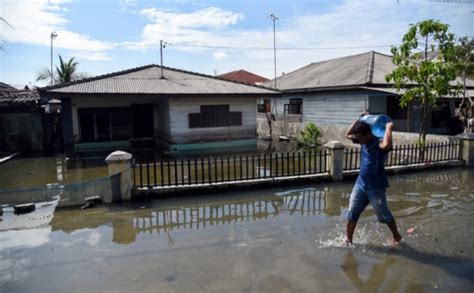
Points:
(467, 152)
(336, 159)
(120, 172)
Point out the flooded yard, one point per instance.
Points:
(279, 240)
(26, 172)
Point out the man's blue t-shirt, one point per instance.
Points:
(372, 166)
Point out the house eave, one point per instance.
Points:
(62, 95)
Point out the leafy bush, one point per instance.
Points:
(310, 135)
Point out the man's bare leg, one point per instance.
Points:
(393, 227)
(350, 228)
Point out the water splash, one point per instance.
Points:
(365, 234)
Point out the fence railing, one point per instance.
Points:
(209, 170)
(403, 155)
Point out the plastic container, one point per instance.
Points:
(377, 123)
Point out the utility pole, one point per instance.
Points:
(274, 18)
(52, 36)
(162, 46)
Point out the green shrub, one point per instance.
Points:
(310, 135)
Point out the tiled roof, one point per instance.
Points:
(147, 80)
(243, 76)
(365, 69)
(19, 96)
(4, 87)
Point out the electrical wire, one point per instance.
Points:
(203, 46)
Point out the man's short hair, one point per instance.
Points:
(360, 127)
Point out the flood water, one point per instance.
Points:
(25, 172)
(278, 240)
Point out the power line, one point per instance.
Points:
(188, 45)
(454, 1)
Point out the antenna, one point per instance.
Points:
(162, 46)
(274, 18)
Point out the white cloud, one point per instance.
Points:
(220, 56)
(202, 25)
(351, 27)
(127, 5)
(210, 17)
(33, 22)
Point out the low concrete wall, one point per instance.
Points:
(290, 127)
(338, 133)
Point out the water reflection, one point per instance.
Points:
(197, 213)
(166, 216)
(376, 276)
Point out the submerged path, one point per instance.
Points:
(285, 239)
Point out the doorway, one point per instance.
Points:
(142, 120)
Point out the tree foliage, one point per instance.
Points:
(65, 72)
(426, 67)
(465, 58)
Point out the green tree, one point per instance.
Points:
(310, 135)
(65, 72)
(465, 55)
(426, 67)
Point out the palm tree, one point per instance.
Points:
(4, 22)
(66, 72)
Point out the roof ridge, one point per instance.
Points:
(126, 71)
(97, 77)
(370, 68)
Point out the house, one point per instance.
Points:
(247, 77)
(150, 106)
(243, 76)
(21, 120)
(336, 91)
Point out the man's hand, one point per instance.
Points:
(389, 126)
(386, 144)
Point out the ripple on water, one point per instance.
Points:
(439, 195)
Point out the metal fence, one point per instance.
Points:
(209, 170)
(404, 155)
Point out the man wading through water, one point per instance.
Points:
(372, 181)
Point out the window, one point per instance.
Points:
(104, 124)
(264, 106)
(394, 110)
(294, 107)
(214, 116)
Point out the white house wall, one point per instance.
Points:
(179, 108)
(278, 105)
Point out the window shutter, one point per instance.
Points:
(195, 120)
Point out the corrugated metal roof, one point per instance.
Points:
(147, 80)
(351, 71)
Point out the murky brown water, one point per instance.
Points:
(280, 240)
(39, 171)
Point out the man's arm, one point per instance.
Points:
(387, 143)
(349, 134)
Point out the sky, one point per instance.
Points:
(209, 36)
